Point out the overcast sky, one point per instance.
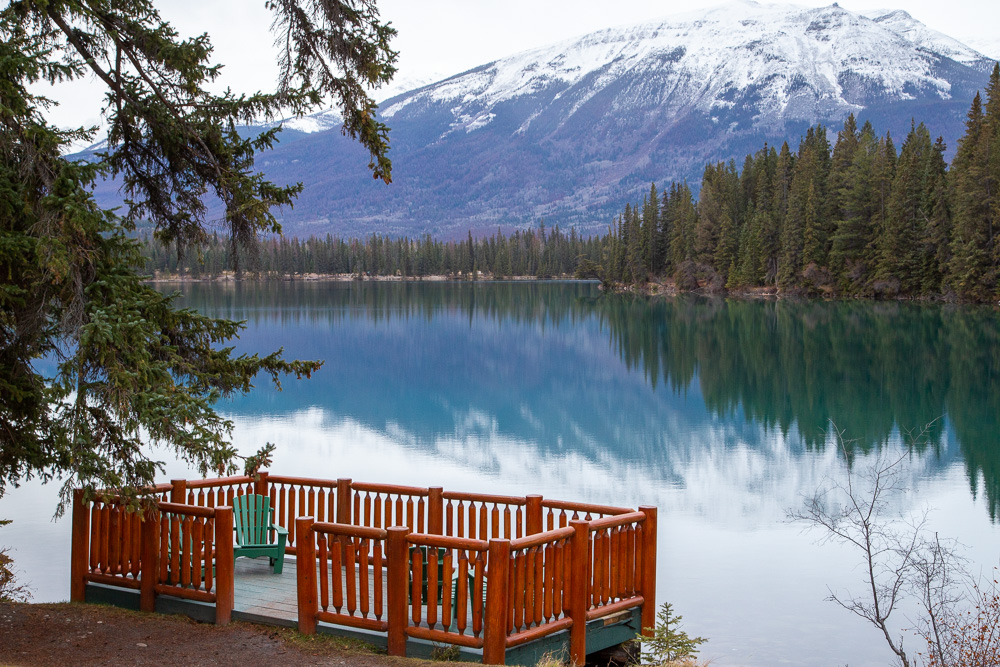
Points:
(442, 37)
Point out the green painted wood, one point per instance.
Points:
(254, 526)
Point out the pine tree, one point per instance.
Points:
(989, 150)
(134, 367)
(968, 272)
(711, 204)
(855, 199)
(899, 260)
(684, 219)
(773, 251)
(814, 163)
(937, 235)
(650, 227)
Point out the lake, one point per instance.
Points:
(719, 412)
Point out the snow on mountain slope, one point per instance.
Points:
(331, 118)
(923, 37)
(802, 64)
(571, 131)
(989, 47)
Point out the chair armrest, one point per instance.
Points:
(280, 530)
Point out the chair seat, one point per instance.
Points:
(256, 533)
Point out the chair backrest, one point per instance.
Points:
(251, 518)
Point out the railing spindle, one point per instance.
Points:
(363, 577)
(324, 572)
(377, 574)
(350, 574)
(416, 571)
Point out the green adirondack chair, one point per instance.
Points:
(256, 533)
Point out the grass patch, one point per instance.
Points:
(324, 643)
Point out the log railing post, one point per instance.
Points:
(495, 632)
(224, 570)
(80, 550)
(344, 500)
(260, 484)
(397, 577)
(305, 574)
(577, 607)
(648, 580)
(435, 511)
(178, 491)
(533, 520)
(149, 558)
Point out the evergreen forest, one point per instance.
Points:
(855, 217)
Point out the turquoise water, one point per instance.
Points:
(719, 412)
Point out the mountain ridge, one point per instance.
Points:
(570, 131)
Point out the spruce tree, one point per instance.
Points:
(968, 272)
(711, 205)
(899, 260)
(773, 252)
(856, 202)
(937, 233)
(989, 150)
(132, 366)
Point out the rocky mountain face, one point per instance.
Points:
(569, 132)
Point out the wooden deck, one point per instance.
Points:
(270, 599)
(265, 596)
(517, 576)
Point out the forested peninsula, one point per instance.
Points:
(857, 218)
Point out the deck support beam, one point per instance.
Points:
(80, 552)
(344, 500)
(578, 603)
(648, 584)
(260, 484)
(435, 510)
(533, 510)
(398, 571)
(495, 632)
(305, 575)
(225, 571)
(149, 559)
(178, 491)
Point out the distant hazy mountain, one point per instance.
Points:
(569, 132)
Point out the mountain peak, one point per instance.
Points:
(785, 53)
(570, 131)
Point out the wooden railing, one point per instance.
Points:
(107, 542)
(447, 588)
(176, 549)
(482, 571)
(347, 563)
(490, 595)
(616, 564)
(485, 516)
(540, 584)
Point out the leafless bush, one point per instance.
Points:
(959, 618)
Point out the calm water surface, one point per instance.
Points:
(716, 411)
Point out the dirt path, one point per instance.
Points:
(72, 635)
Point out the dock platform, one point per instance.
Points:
(505, 579)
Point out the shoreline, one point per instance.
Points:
(229, 277)
(649, 289)
(771, 293)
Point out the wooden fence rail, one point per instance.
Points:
(176, 549)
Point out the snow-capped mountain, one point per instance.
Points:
(989, 47)
(571, 131)
(332, 119)
(793, 63)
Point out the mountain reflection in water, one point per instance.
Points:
(555, 364)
